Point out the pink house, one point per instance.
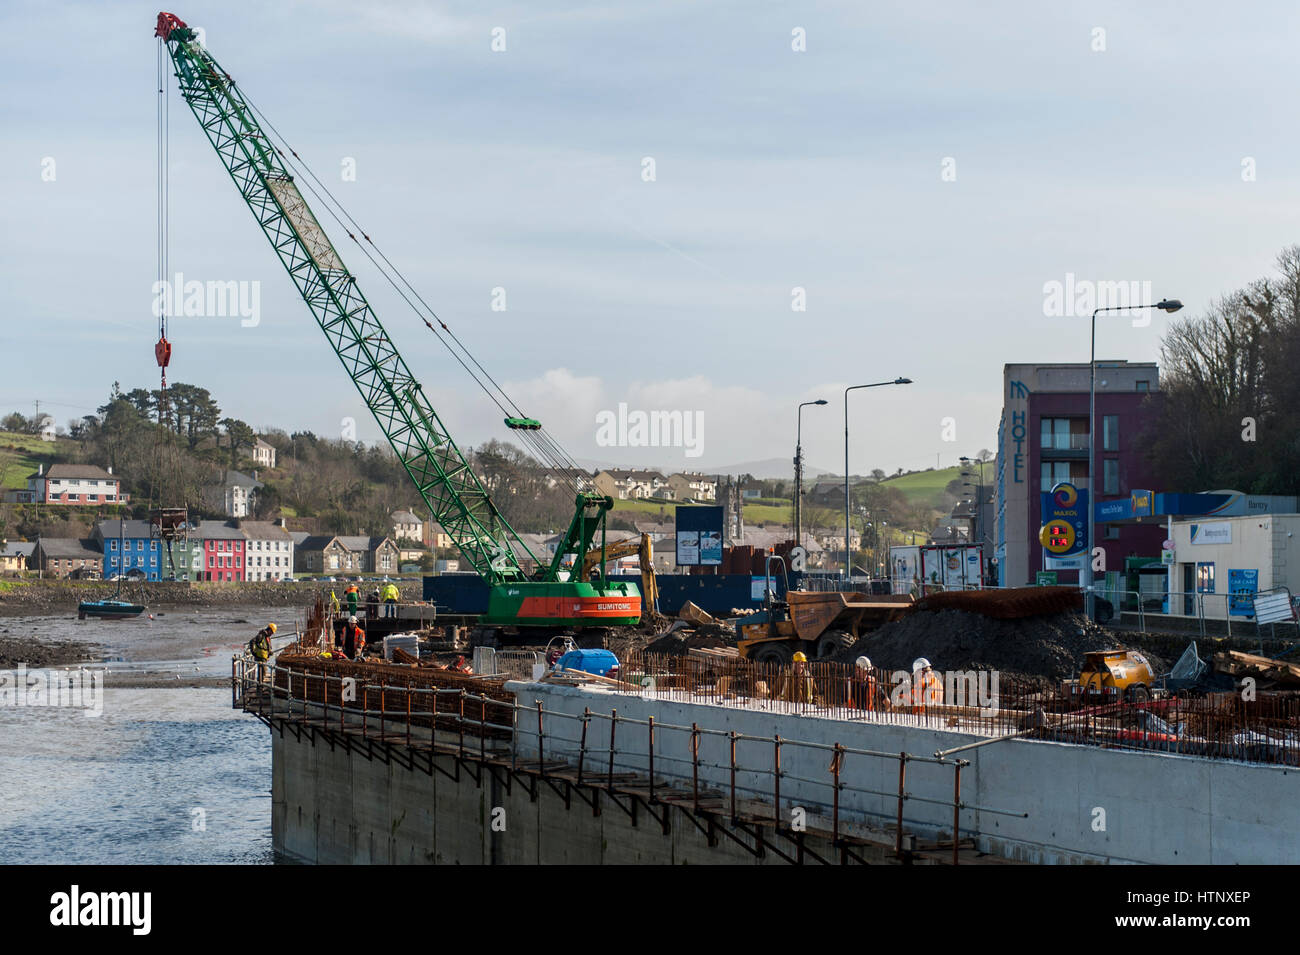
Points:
(225, 552)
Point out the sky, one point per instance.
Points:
(920, 171)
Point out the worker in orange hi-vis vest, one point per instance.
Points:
(927, 688)
(864, 690)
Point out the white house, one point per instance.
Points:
(71, 484)
(268, 550)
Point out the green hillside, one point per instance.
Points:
(19, 456)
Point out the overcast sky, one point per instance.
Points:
(921, 170)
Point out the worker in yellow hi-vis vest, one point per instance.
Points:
(389, 595)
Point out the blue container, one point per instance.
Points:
(599, 662)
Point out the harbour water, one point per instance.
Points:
(167, 773)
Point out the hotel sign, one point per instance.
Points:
(1019, 431)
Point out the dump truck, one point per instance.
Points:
(819, 624)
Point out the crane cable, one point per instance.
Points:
(163, 297)
(548, 449)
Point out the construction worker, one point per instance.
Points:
(864, 690)
(372, 605)
(334, 602)
(354, 639)
(390, 596)
(260, 648)
(927, 688)
(798, 686)
(352, 595)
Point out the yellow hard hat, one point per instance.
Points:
(799, 657)
(271, 627)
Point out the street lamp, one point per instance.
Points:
(848, 569)
(798, 471)
(1169, 305)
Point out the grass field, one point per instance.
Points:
(19, 456)
(754, 513)
(926, 487)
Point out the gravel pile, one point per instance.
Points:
(1049, 647)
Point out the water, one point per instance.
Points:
(166, 775)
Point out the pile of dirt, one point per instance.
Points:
(680, 641)
(676, 643)
(1048, 647)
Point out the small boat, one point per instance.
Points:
(108, 609)
(112, 608)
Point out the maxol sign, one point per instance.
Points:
(1064, 530)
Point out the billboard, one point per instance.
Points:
(699, 535)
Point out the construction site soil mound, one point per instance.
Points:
(1042, 649)
(676, 643)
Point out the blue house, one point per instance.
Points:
(128, 546)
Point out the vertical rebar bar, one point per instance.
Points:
(613, 724)
(733, 776)
(836, 760)
(956, 810)
(902, 778)
(582, 743)
(695, 765)
(650, 725)
(541, 755)
(776, 780)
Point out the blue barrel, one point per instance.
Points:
(599, 662)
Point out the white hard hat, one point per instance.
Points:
(920, 663)
(863, 663)
(352, 619)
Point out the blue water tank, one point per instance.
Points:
(599, 662)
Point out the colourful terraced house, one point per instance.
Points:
(128, 548)
(225, 551)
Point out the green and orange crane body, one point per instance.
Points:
(455, 496)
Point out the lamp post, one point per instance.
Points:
(848, 567)
(798, 471)
(1169, 305)
(978, 530)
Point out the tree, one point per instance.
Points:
(14, 422)
(1228, 411)
(238, 435)
(195, 415)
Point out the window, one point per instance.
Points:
(1053, 473)
(1142, 386)
(1110, 476)
(1064, 434)
(112, 545)
(1110, 432)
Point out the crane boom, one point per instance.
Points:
(444, 479)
